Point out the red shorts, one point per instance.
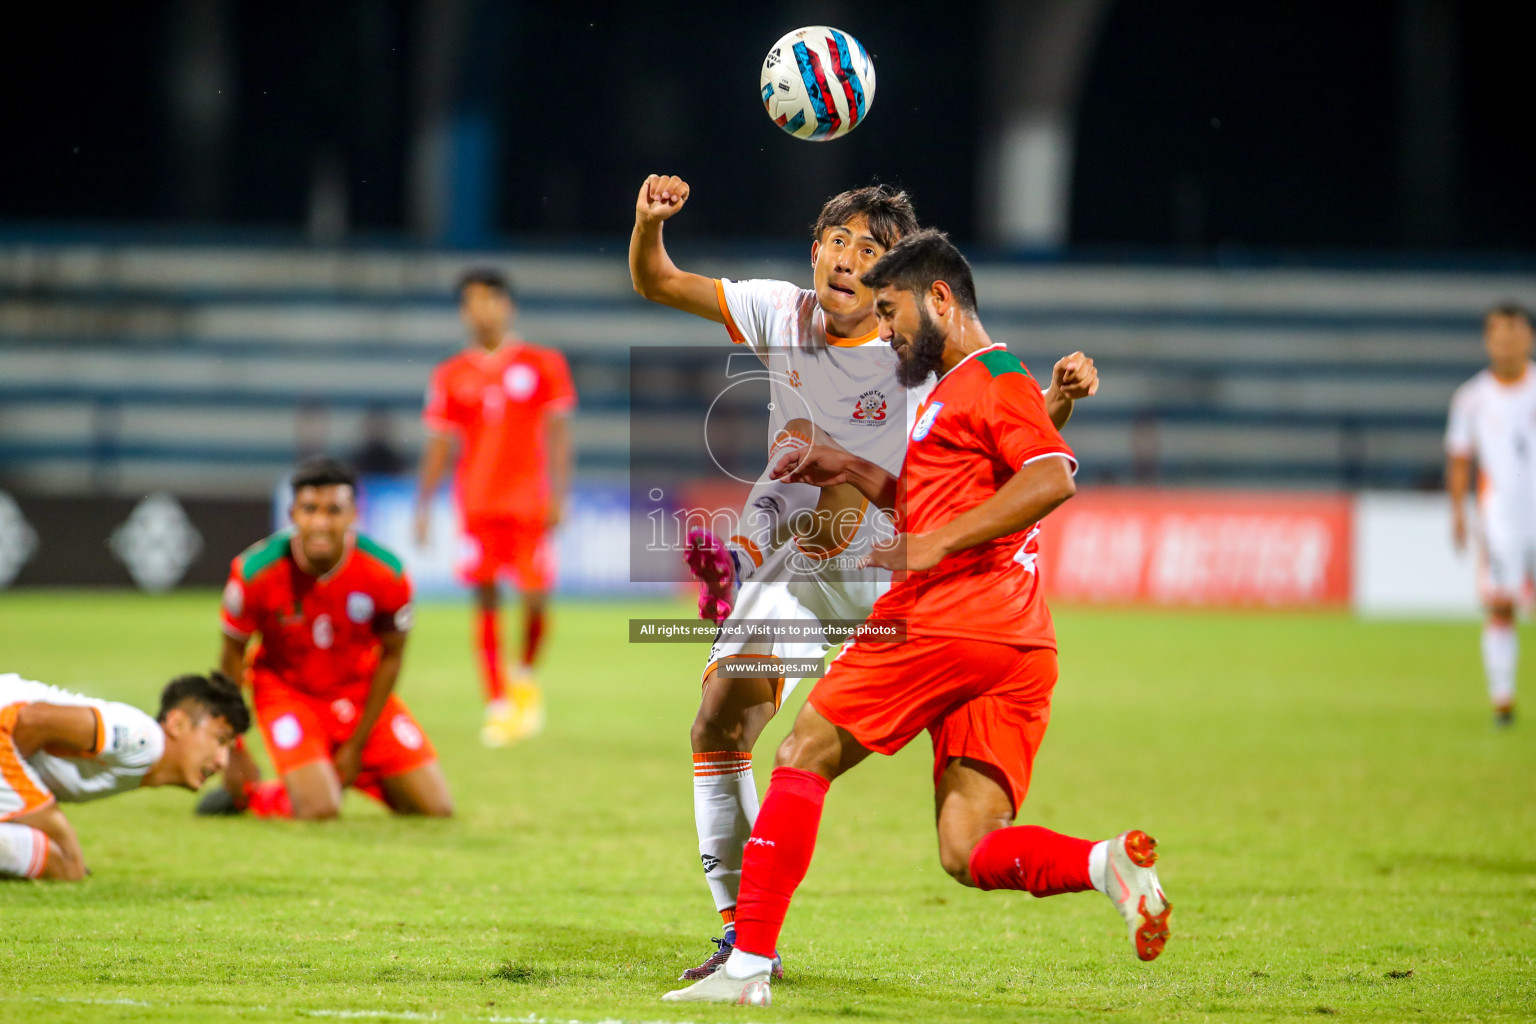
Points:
(301, 729)
(515, 547)
(981, 700)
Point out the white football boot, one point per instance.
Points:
(1130, 881)
(720, 987)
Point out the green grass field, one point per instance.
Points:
(1344, 836)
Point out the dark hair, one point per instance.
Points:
(214, 694)
(888, 211)
(322, 471)
(488, 276)
(917, 261)
(1509, 309)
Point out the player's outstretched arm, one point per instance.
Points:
(651, 270)
(1073, 377)
(1029, 497)
(826, 465)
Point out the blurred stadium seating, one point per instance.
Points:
(205, 370)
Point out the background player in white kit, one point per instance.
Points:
(60, 746)
(831, 375)
(1493, 424)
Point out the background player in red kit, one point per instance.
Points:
(984, 465)
(332, 609)
(508, 403)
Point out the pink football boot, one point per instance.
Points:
(715, 570)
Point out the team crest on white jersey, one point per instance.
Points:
(925, 421)
(869, 409)
(519, 381)
(359, 607)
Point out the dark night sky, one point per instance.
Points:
(1202, 123)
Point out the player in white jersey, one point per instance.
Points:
(60, 746)
(1493, 424)
(794, 558)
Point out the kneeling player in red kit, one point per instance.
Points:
(332, 609)
(983, 466)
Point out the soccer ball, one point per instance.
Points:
(818, 83)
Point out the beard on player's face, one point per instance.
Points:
(921, 355)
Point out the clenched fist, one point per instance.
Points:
(1075, 376)
(660, 197)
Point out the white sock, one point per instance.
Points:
(724, 809)
(23, 851)
(1098, 861)
(1501, 653)
(741, 964)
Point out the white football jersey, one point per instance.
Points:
(129, 744)
(1495, 424)
(846, 386)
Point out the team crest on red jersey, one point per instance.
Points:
(359, 607)
(870, 408)
(925, 421)
(519, 381)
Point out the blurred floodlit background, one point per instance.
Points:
(229, 234)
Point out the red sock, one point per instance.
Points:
(777, 856)
(490, 657)
(1031, 858)
(533, 635)
(269, 799)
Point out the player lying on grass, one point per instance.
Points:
(60, 746)
(1493, 426)
(832, 375)
(332, 608)
(984, 465)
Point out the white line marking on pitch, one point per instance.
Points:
(340, 1014)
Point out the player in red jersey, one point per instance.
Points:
(508, 404)
(332, 608)
(984, 465)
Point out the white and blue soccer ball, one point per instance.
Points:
(818, 83)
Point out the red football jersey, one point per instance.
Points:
(320, 635)
(496, 403)
(981, 424)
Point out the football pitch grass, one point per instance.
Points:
(1344, 836)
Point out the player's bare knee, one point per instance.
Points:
(315, 807)
(956, 861)
(1501, 613)
(732, 713)
(808, 753)
(429, 799)
(958, 839)
(717, 729)
(319, 813)
(438, 807)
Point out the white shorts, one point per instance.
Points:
(793, 589)
(1508, 553)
